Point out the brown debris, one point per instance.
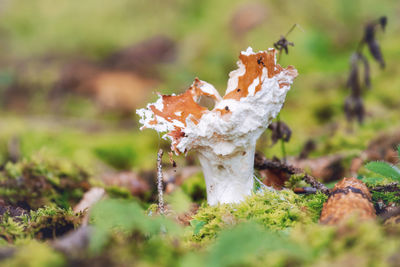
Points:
(119, 90)
(349, 197)
(110, 89)
(74, 242)
(123, 81)
(182, 218)
(308, 147)
(175, 177)
(136, 185)
(384, 147)
(355, 165)
(391, 187)
(327, 168)
(274, 178)
(261, 163)
(12, 211)
(248, 17)
(392, 216)
(280, 131)
(304, 190)
(185, 218)
(143, 56)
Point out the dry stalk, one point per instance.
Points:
(160, 182)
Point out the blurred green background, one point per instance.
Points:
(73, 72)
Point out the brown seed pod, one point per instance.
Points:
(349, 197)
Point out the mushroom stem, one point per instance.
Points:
(229, 178)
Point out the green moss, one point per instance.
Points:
(195, 187)
(247, 244)
(276, 210)
(118, 192)
(376, 181)
(49, 222)
(35, 254)
(10, 230)
(367, 243)
(386, 197)
(377, 196)
(295, 180)
(314, 204)
(34, 183)
(120, 157)
(44, 223)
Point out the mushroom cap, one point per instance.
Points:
(254, 96)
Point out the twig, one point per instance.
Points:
(159, 182)
(261, 163)
(392, 187)
(293, 27)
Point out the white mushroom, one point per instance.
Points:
(225, 137)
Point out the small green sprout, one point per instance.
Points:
(385, 169)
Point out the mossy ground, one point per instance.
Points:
(62, 155)
(34, 183)
(42, 224)
(276, 210)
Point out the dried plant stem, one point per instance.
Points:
(392, 187)
(160, 182)
(261, 163)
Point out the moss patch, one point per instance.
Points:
(386, 197)
(35, 254)
(362, 244)
(276, 210)
(34, 183)
(45, 223)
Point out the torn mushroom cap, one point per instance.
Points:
(172, 113)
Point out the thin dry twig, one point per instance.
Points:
(160, 182)
(261, 163)
(392, 187)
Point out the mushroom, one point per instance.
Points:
(224, 137)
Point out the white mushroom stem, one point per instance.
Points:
(225, 137)
(229, 179)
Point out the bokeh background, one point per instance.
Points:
(73, 72)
